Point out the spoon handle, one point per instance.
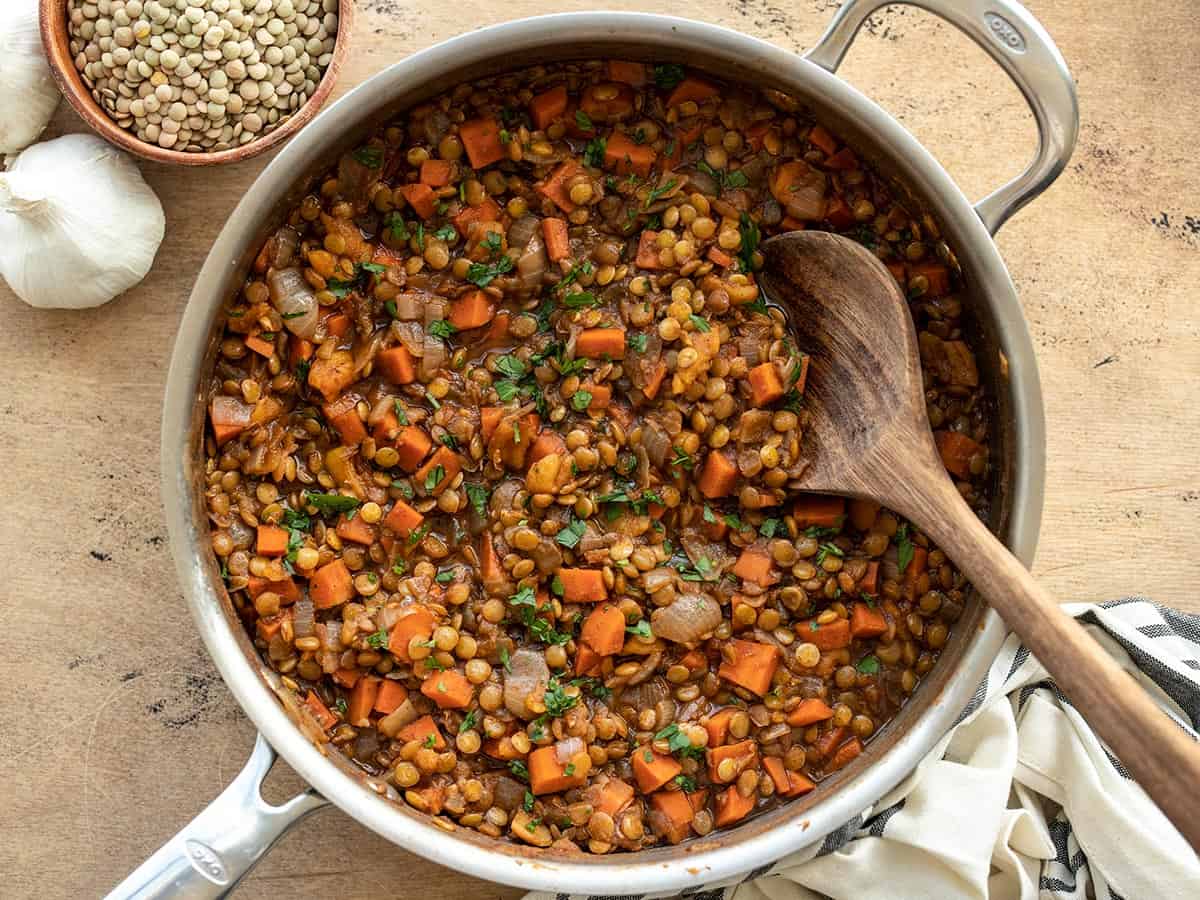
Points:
(1163, 759)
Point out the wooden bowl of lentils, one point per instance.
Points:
(196, 82)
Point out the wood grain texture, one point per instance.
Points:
(867, 404)
(117, 728)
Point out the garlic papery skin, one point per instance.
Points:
(28, 94)
(78, 225)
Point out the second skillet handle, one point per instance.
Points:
(1013, 38)
(211, 853)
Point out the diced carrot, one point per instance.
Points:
(691, 88)
(755, 565)
(266, 628)
(716, 531)
(822, 139)
(654, 382)
(259, 346)
(487, 211)
(843, 160)
(913, 570)
(420, 730)
(870, 580)
(421, 198)
(718, 477)
(433, 797)
(791, 223)
(719, 257)
(547, 775)
(956, 450)
(757, 133)
(545, 443)
(320, 711)
(298, 349)
(472, 310)
(935, 273)
(272, 540)
(347, 678)
(554, 233)
(287, 589)
(652, 770)
(331, 585)
(481, 140)
(827, 742)
(631, 73)
(548, 106)
(677, 809)
(489, 564)
(821, 510)
(831, 636)
(391, 695)
(809, 712)
(765, 384)
(403, 519)
(338, 324)
(844, 755)
(502, 748)
(601, 395)
(753, 666)
(498, 330)
(342, 414)
(449, 689)
(607, 102)
(647, 250)
(793, 180)
(436, 172)
(555, 187)
(838, 212)
(450, 464)
(866, 622)
(355, 530)
(717, 726)
(587, 660)
(333, 375)
(898, 270)
(693, 659)
(787, 783)
(744, 755)
(863, 513)
(615, 795)
(622, 155)
(732, 807)
(412, 443)
(960, 364)
(595, 343)
(362, 698)
(583, 585)
(489, 418)
(604, 630)
(800, 381)
(396, 365)
(417, 621)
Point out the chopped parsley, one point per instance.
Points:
(446, 233)
(478, 495)
(637, 342)
(569, 537)
(724, 179)
(331, 503)
(505, 660)
(701, 571)
(700, 322)
(581, 400)
(419, 533)
(395, 227)
(378, 640)
(527, 803)
(678, 742)
(557, 700)
(868, 665)
(655, 193)
(519, 770)
(683, 458)
(750, 238)
(434, 478)
(444, 577)
(641, 629)
(493, 243)
(770, 527)
(584, 121)
(511, 366)
(668, 75)
(401, 415)
(827, 550)
(481, 274)
(579, 300)
(340, 705)
(441, 329)
(593, 153)
(525, 601)
(904, 548)
(450, 441)
(371, 157)
(686, 783)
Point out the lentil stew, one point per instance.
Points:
(502, 437)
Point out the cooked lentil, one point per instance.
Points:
(517, 517)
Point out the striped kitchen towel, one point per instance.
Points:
(1020, 801)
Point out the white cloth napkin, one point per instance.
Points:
(1020, 801)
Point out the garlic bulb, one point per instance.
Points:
(78, 225)
(28, 94)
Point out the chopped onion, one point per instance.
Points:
(294, 300)
(411, 335)
(404, 714)
(532, 263)
(283, 247)
(409, 306)
(520, 231)
(567, 748)
(433, 352)
(303, 623)
(688, 619)
(330, 637)
(656, 441)
(528, 674)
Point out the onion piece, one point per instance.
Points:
(529, 673)
(567, 748)
(411, 335)
(294, 300)
(283, 247)
(688, 619)
(532, 263)
(409, 306)
(433, 351)
(303, 623)
(656, 441)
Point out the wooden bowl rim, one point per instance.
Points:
(52, 22)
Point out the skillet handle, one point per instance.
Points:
(1013, 38)
(208, 857)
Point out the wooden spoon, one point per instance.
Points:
(871, 438)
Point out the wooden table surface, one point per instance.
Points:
(116, 727)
